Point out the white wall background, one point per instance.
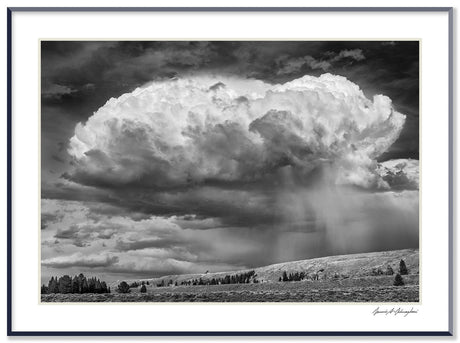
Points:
(19, 3)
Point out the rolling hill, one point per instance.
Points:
(359, 265)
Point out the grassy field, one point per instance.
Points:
(369, 289)
(345, 278)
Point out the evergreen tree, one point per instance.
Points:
(97, 286)
(75, 285)
(65, 284)
(143, 289)
(398, 280)
(402, 268)
(44, 289)
(81, 281)
(123, 287)
(91, 285)
(285, 277)
(53, 285)
(84, 286)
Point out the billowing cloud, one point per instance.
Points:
(311, 222)
(181, 132)
(83, 234)
(151, 247)
(400, 173)
(80, 260)
(49, 218)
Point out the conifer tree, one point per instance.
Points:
(104, 287)
(398, 280)
(65, 284)
(285, 277)
(53, 285)
(402, 268)
(123, 287)
(44, 289)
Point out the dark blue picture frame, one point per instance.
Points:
(11, 332)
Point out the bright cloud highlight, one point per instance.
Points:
(200, 129)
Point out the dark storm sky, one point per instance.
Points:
(77, 78)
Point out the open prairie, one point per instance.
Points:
(346, 278)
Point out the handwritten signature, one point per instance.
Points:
(395, 311)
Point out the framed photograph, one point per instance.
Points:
(230, 171)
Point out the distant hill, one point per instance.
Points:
(340, 266)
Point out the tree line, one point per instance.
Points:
(136, 284)
(299, 276)
(78, 284)
(292, 276)
(247, 277)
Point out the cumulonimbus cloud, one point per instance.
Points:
(196, 129)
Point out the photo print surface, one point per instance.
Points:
(229, 171)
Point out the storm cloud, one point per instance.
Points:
(184, 131)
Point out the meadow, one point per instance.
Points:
(369, 289)
(345, 278)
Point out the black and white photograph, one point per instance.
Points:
(229, 171)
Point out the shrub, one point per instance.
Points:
(398, 280)
(376, 271)
(402, 268)
(143, 289)
(123, 287)
(389, 270)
